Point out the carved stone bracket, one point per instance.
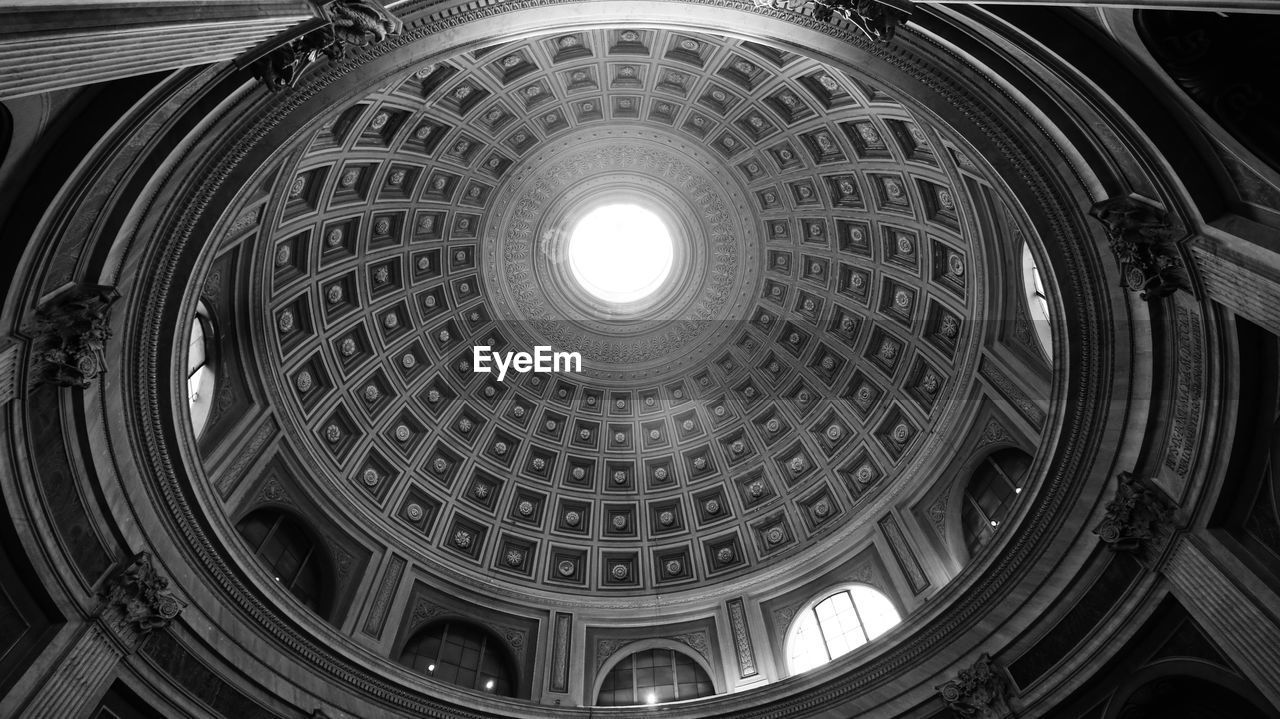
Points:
(72, 332)
(1138, 516)
(142, 594)
(343, 24)
(981, 691)
(1142, 239)
(878, 19)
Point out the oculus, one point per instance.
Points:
(620, 253)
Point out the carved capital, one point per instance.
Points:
(981, 691)
(142, 595)
(344, 24)
(72, 331)
(1138, 515)
(878, 19)
(1142, 238)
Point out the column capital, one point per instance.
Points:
(981, 691)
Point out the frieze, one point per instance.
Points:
(903, 553)
(250, 451)
(560, 653)
(878, 19)
(346, 24)
(937, 513)
(1012, 392)
(377, 618)
(743, 648)
(1188, 392)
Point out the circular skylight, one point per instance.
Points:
(620, 253)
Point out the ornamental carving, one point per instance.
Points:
(344, 24)
(1138, 515)
(1142, 239)
(73, 330)
(981, 691)
(142, 594)
(877, 19)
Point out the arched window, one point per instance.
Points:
(200, 374)
(990, 494)
(837, 623)
(654, 676)
(288, 550)
(463, 654)
(1033, 286)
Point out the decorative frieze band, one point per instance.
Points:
(878, 19)
(743, 648)
(560, 652)
(377, 618)
(343, 24)
(903, 553)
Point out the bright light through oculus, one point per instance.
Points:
(620, 253)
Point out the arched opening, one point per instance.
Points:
(290, 553)
(990, 494)
(654, 676)
(836, 623)
(201, 378)
(1178, 695)
(1037, 301)
(462, 654)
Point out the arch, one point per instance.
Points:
(678, 651)
(1197, 687)
(836, 622)
(290, 551)
(201, 364)
(989, 494)
(464, 654)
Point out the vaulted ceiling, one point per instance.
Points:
(808, 357)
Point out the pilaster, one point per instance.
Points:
(1228, 601)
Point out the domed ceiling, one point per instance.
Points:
(804, 362)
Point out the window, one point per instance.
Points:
(462, 654)
(200, 375)
(990, 494)
(1033, 285)
(290, 553)
(654, 676)
(835, 625)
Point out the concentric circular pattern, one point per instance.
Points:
(801, 363)
(717, 258)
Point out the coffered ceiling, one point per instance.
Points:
(809, 356)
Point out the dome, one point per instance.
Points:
(801, 366)
(750, 359)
